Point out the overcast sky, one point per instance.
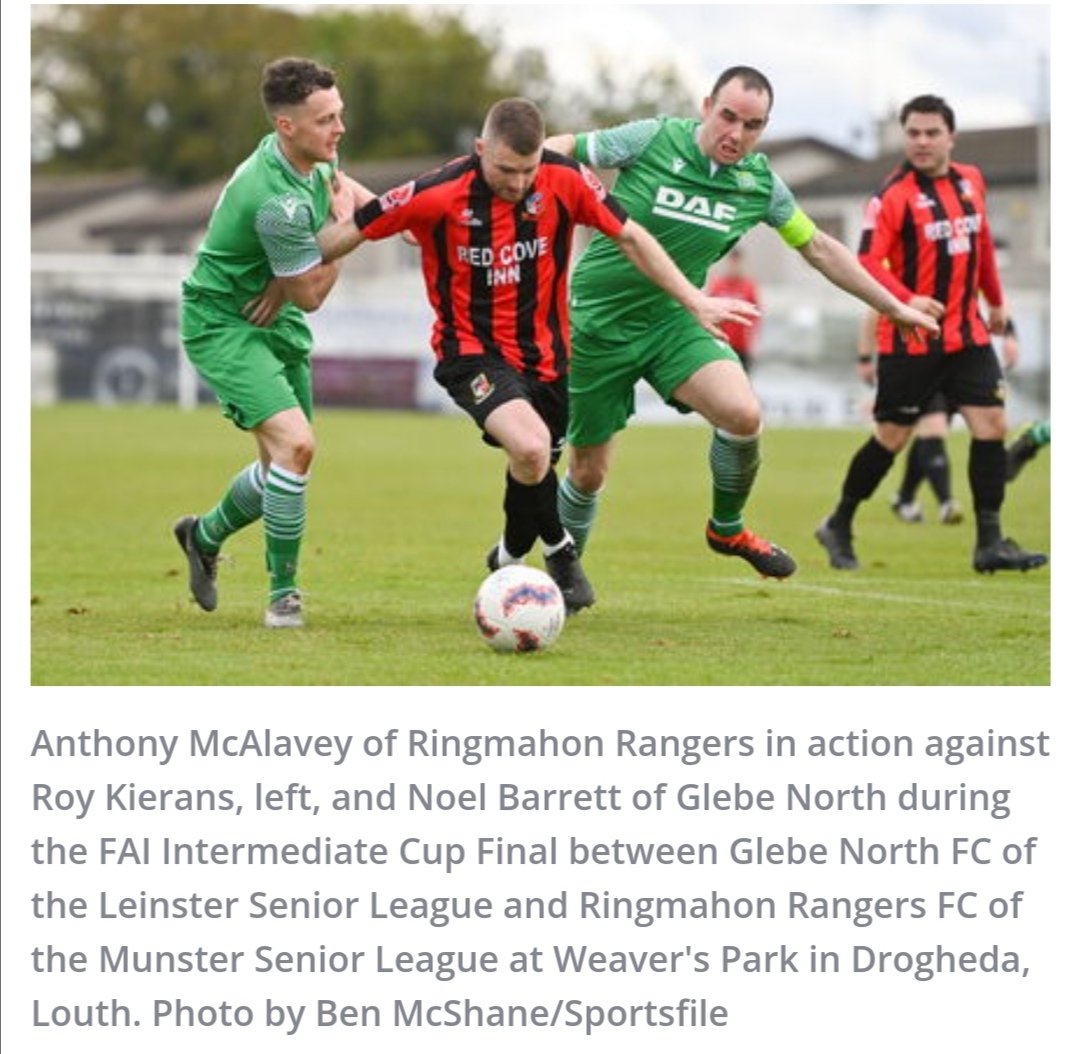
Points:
(834, 67)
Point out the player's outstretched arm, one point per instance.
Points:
(649, 257)
(841, 267)
(561, 144)
(357, 196)
(339, 238)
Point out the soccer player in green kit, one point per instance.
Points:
(698, 187)
(242, 324)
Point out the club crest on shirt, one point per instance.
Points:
(481, 387)
(397, 196)
(745, 180)
(534, 203)
(677, 164)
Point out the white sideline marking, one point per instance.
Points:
(901, 598)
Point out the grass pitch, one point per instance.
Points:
(402, 509)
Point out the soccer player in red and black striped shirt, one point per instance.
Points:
(495, 231)
(927, 239)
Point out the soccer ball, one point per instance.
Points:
(519, 608)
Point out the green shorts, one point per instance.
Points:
(603, 373)
(254, 372)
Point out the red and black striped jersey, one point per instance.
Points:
(926, 236)
(495, 270)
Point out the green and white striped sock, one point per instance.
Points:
(242, 504)
(577, 510)
(734, 461)
(284, 516)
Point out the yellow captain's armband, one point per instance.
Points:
(798, 230)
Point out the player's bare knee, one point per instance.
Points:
(588, 476)
(300, 452)
(589, 466)
(743, 420)
(990, 426)
(537, 464)
(531, 459)
(892, 436)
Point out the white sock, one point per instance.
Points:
(504, 558)
(567, 539)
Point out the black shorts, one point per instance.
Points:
(482, 383)
(937, 404)
(907, 383)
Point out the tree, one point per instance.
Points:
(172, 89)
(410, 89)
(175, 89)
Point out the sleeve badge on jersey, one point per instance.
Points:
(397, 196)
(593, 183)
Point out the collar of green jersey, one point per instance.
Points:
(275, 146)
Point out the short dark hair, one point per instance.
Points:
(518, 123)
(929, 104)
(288, 82)
(750, 77)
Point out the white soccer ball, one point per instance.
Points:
(519, 608)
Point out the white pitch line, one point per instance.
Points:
(901, 598)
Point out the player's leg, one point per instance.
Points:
(288, 442)
(601, 386)
(705, 375)
(531, 502)
(501, 402)
(1022, 449)
(928, 429)
(976, 386)
(579, 491)
(201, 537)
(561, 555)
(931, 435)
(240, 505)
(222, 353)
(902, 388)
(867, 468)
(904, 503)
(496, 397)
(521, 432)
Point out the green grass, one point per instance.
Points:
(402, 509)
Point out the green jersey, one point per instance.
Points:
(263, 225)
(697, 210)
